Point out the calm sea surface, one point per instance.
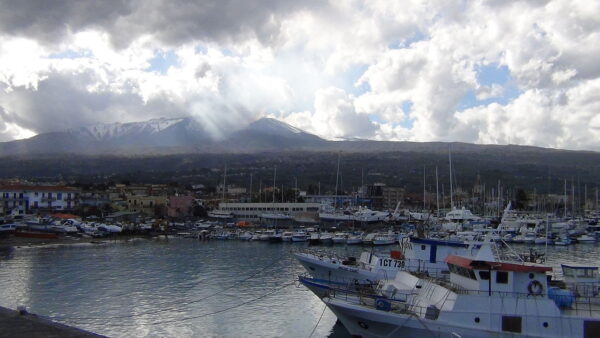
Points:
(183, 287)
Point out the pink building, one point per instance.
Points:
(180, 206)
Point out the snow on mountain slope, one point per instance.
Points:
(110, 131)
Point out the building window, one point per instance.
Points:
(59, 196)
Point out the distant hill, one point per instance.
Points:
(187, 136)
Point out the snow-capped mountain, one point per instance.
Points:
(107, 131)
(163, 135)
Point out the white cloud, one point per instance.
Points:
(338, 69)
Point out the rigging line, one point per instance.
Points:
(318, 321)
(215, 312)
(171, 308)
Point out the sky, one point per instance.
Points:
(492, 72)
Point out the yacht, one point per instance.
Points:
(366, 215)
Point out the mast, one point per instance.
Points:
(565, 201)
(450, 161)
(260, 191)
(498, 192)
(585, 197)
(424, 207)
(337, 174)
(437, 192)
(572, 198)
(224, 183)
(274, 176)
(362, 184)
(250, 187)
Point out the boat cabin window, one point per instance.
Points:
(484, 275)
(423, 247)
(502, 278)
(459, 270)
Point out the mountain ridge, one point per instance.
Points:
(182, 135)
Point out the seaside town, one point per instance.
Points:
(313, 169)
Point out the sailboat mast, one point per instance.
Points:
(450, 161)
(337, 174)
(274, 176)
(572, 198)
(224, 182)
(424, 207)
(437, 192)
(565, 200)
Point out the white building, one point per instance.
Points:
(25, 199)
(253, 211)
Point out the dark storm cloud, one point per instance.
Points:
(62, 101)
(171, 21)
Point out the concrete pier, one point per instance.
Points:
(22, 324)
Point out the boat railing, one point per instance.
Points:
(401, 302)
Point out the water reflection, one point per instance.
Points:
(183, 287)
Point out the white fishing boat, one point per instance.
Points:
(314, 238)
(368, 239)
(326, 238)
(418, 255)
(487, 296)
(563, 240)
(299, 236)
(246, 236)
(586, 239)
(384, 239)
(286, 236)
(354, 239)
(220, 214)
(340, 238)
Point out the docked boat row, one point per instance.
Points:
(310, 235)
(455, 289)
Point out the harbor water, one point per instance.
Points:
(184, 288)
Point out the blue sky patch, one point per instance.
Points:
(493, 74)
(488, 75)
(399, 44)
(162, 61)
(71, 54)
